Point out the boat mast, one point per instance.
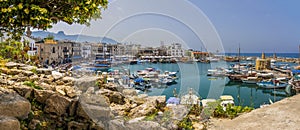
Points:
(239, 51)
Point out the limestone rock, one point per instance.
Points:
(42, 95)
(12, 104)
(33, 123)
(178, 112)
(14, 72)
(95, 107)
(129, 92)
(49, 79)
(46, 86)
(27, 73)
(23, 90)
(144, 125)
(114, 97)
(9, 123)
(34, 78)
(5, 70)
(117, 124)
(28, 68)
(57, 104)
(12, 65)
(150, 106)
(73, 125)
(44, 71)
(85, 82)
(57, 75)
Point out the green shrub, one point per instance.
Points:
(185, 123)
(31, 84)
(231, 111)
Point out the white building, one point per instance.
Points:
(175, 50)
(86, 50)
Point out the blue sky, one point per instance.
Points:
(258, 26)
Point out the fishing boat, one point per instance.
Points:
(226, 100)
(250, 80)
(275, 84)
(190, 98)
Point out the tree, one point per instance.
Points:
(17, 15)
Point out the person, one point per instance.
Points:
(174, 92)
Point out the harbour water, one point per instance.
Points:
(194, 75)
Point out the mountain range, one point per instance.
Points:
(77, 38)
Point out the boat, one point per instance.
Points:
(205, 102)
(275, 84)
(251, 80)
(190, 98)
(226, 100)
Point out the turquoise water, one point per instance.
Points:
(194, 76)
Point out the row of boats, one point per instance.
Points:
(244, 73)
(146, 78)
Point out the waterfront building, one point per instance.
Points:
(262, 63)
(51, 51)
(175, 50)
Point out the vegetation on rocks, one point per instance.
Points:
(32, 84)
(230, 111)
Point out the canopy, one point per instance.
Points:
(173, 100)
(139, 80)
(296, 71)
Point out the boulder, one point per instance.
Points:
(85, 82)
(28, 68)
(68, 79)
(152, 103)
(59, 82)
(49, 79)
(129, 92)
(12, 104)
(117, 124)
(44, 71)
(46, 86)
(23, 90)
(95, 107)
(9, 123)
(178, 112)
(114, 97)
(144, 125)
(5, 70)
(42, 95)
(27, 73)
(14, 72)
(57, 104)
(33, 123)
(34, 78)
(12, 65)
(73, 125)
(57, 75)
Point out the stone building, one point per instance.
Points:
(56, 52)
(262, 63)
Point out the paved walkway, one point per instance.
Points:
(282, 115)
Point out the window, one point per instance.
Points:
(53, 50)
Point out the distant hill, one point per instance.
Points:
(78, 38)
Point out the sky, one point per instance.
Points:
(211, 25)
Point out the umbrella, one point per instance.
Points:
(173, 100)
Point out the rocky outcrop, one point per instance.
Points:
(9, 123)
(13, 105)
(113, 96)
(57, 104)
(150, 106)
(44, 71)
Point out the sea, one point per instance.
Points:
(193, 76)
(286, 55)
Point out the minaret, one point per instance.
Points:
(263, 56)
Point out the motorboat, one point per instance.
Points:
(226, 100)
(251, 80)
